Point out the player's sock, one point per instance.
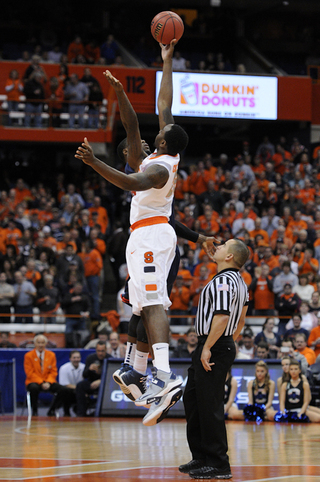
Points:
(140, 362)
(130, 353)
(161, 356)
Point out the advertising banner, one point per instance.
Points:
(223, 96)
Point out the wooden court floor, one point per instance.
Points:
(123, 450)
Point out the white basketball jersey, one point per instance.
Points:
(155, 202)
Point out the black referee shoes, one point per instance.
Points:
(192, 465)
(210, 473)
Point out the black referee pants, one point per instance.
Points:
(203, 403)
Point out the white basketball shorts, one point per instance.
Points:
(150, 253)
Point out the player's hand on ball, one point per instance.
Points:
(115, 83)
(167, 50)
(85, 152)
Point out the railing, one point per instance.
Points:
(49, 116)
(40, 323)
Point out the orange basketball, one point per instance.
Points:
(166, 26)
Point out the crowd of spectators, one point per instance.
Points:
(53, 247)
(52, 255)
(59, 94)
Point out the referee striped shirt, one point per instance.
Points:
(225, 294)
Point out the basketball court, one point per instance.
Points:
(123, 450)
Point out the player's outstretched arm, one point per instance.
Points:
(130, 123)
(207, 242)
(154, 176)
(166, 88)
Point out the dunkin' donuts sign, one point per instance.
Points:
(223, 96)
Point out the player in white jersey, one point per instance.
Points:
(155, 240)
(151, 247)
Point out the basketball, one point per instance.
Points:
(166, 26)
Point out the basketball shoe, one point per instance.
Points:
(132, 383)
(161, 384)
(161, 407)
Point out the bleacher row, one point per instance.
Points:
(17, 117)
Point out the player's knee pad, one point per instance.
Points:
(133, 326)
(141, 333)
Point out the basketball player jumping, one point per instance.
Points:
(151, 246)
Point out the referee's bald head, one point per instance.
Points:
(240, 252)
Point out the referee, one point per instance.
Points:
(220, 319)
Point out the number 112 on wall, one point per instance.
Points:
(135, 85)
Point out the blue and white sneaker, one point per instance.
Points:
(161, 384)
(125, 367)
(132, 383)
(160, 408)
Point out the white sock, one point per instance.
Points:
(161, 356)
(130, 353)
(141, 362)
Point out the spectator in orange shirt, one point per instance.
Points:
(261, 287)
(93, 265)
(102, 214)
(314, 339)
(269, 259)
(307, 193)
(185, 273)
(197, 286)
(180, 296)
(49, 241)
(308, 264)
(272, 195)
(92, 52)
(259, 253)
(263, 182)
(22, 192)
(12, 233)
(188, 219)
(257, 230)
(304, 166)
(279, 159)
(3, 240)
(45, 214)
(205, 261)
(300, 343)
(75, 48)
(257, 166)
(181, 187)
(208, 221)
(198, 179)
(32, 274)
(13, 89)
(297, 224)
(98, 243)
(62, 245)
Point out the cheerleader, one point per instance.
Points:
(230, 392)
(295, 397)
(260, 393)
